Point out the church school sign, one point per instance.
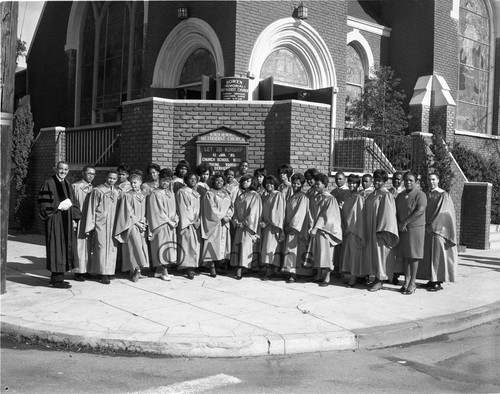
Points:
(222, 148)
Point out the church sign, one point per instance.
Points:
(233, 88)
(222, 148)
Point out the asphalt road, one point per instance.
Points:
(465, 362)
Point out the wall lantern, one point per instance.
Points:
(302, 11)
(182, 13)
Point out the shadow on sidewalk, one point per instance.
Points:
(28, 238)
(33, 273)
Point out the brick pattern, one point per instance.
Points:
(476, 215)
(281, 132)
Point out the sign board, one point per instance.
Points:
(222, 148)
(234, 88)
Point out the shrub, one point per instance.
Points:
(438, 160)
(481, 169)
(21, 147)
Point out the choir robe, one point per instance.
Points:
(148, 187)
(82, 190)
(188, 209)
(297, 234)
(381, 234)
(100, 219)
(325, 219)
(366, 192)
(286, 190)
(440, 251)
(60, 238)
(161, 214)
(202, 188)
(233, 188)
(353, 236)
(124, 187)
(215, 206)
(273, 215)
(132, 210)
(341, 194)
(247, 211)
(177, 184)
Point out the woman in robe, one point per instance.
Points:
(153, 171)
(410, 207)
(100, 227)
(260, 174)
(352, 232)
(296, 230)
(162, 223)
(180, 172)
(285, 172)
(130, 231)
(216, 214)
(232, 185)
(325, 232)
(204, 172)
(380, 231)
(440, 248)
(246, 219)
(271, 223)
(188, 209)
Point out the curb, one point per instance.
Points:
(403, 333)
(271, 344)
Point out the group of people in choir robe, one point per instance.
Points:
(288, 225)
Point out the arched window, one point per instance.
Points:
(200, 62)
(474, 67)
(286, 67)
(111, 59)
(355, 79)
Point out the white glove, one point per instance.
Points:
(65, 205)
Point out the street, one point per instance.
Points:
(462, 362)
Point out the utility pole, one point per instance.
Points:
(8, 15)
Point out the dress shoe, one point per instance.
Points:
(352, 281)
(237, 277)
(105, 280)
(323, 284)
(61, 285)
(427, 285)
(410, 291)
(395, 280)
(402, 290)
(435, 287)
(377, 285)
(213, 272)
(190, 274)
(79, 277)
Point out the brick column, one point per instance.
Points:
(476, 215)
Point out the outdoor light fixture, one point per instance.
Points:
(182, 13)
(302, 11)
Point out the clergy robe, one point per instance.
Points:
(188, 209)
(353, 236)
(297, 234)
(132, 210)
(215, 206)
(381, 234)
(177, 184)
(161, 214)
(273, 215)
(82, 190)
(247, 211)
(60, 238)
(325, 219)
(440, 251)
(100, 219)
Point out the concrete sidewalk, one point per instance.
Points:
(223, 317)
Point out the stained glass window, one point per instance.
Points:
(200, 62)
(473, 73)
(286, 67)
(112, 77)
(355, 78)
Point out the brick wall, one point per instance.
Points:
(476, 214)
(280, 132)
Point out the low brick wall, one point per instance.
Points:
(476, 215)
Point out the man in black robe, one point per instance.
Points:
(60, 211)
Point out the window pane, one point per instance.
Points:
(473, 86)
(355, 70)
(285, 66)
(471, 118)
(200, 62)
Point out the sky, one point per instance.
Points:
(29, 13)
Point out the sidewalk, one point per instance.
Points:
(223, 317)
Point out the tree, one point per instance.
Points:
(438, 159)
(21, 147)
(20, 49)
(380, 107)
